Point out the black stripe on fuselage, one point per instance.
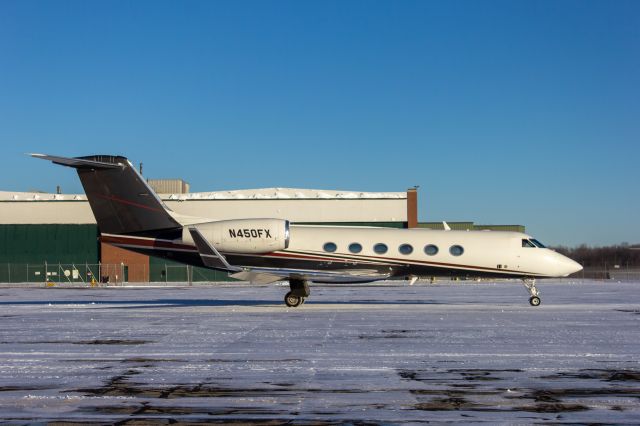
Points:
(296, 259)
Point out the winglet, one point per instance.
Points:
(208, 253)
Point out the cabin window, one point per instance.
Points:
(527, 243)
(431, 250)
(330, 247)
(456, 250)
(355, 248)
(405, 249)
(380, 248)
(538, 243)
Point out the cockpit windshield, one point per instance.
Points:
(538, 243)
(527, 243)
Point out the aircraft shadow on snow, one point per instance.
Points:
(164, 303)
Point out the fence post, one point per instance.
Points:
(9, 271)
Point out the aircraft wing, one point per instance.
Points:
(208, 253)
(269, 275)
(212, 258)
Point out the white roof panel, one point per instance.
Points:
(242, 194)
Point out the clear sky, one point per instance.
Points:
(504, 112)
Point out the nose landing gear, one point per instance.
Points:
(530, 284)
(298, 294)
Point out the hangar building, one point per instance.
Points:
(56, 236)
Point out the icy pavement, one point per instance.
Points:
(385, 353)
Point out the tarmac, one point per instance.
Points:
(474, 352)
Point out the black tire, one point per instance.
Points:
(292, 301)
(534, 301)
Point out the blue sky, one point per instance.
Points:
(503, 112)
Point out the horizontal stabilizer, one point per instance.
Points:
(82, 163)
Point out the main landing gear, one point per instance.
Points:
(530, 284)
(298, 294)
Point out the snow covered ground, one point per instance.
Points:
(473, 352)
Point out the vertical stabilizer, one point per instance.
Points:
(121, 201)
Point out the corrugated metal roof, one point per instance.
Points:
(244, 194)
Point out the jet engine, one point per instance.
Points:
(255, 236)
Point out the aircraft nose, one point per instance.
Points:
(560, 265)
(570, 266)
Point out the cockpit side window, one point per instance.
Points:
(538, 243)
(527, 243)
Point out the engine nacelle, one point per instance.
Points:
(254, 236)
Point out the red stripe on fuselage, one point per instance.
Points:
(131, 203)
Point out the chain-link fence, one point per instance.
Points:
(106, 274)
(70, 273)
(170, 273)
(616, 273)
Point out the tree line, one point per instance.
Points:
(622, 255)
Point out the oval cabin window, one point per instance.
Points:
(456, 250)
(355, 248)
(380, 248)
(330, 247)
(431, 250)
(405, 249)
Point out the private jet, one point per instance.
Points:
(130, 215)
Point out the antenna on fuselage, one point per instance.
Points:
(446, 226)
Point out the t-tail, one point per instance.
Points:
(121, 200)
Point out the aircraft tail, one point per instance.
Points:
(121, 200)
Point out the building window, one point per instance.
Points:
(405, 249)
(355, 248)
(456, 250)
(431, 250)
(330, 247)
(380, 248)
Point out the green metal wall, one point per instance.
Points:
(512, 228)
(53, 243)
(25, 247)
(25, 250)
(463, 226)
(456, 226)
(161, 270)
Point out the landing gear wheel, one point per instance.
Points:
(530, 284)
(292, 301)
